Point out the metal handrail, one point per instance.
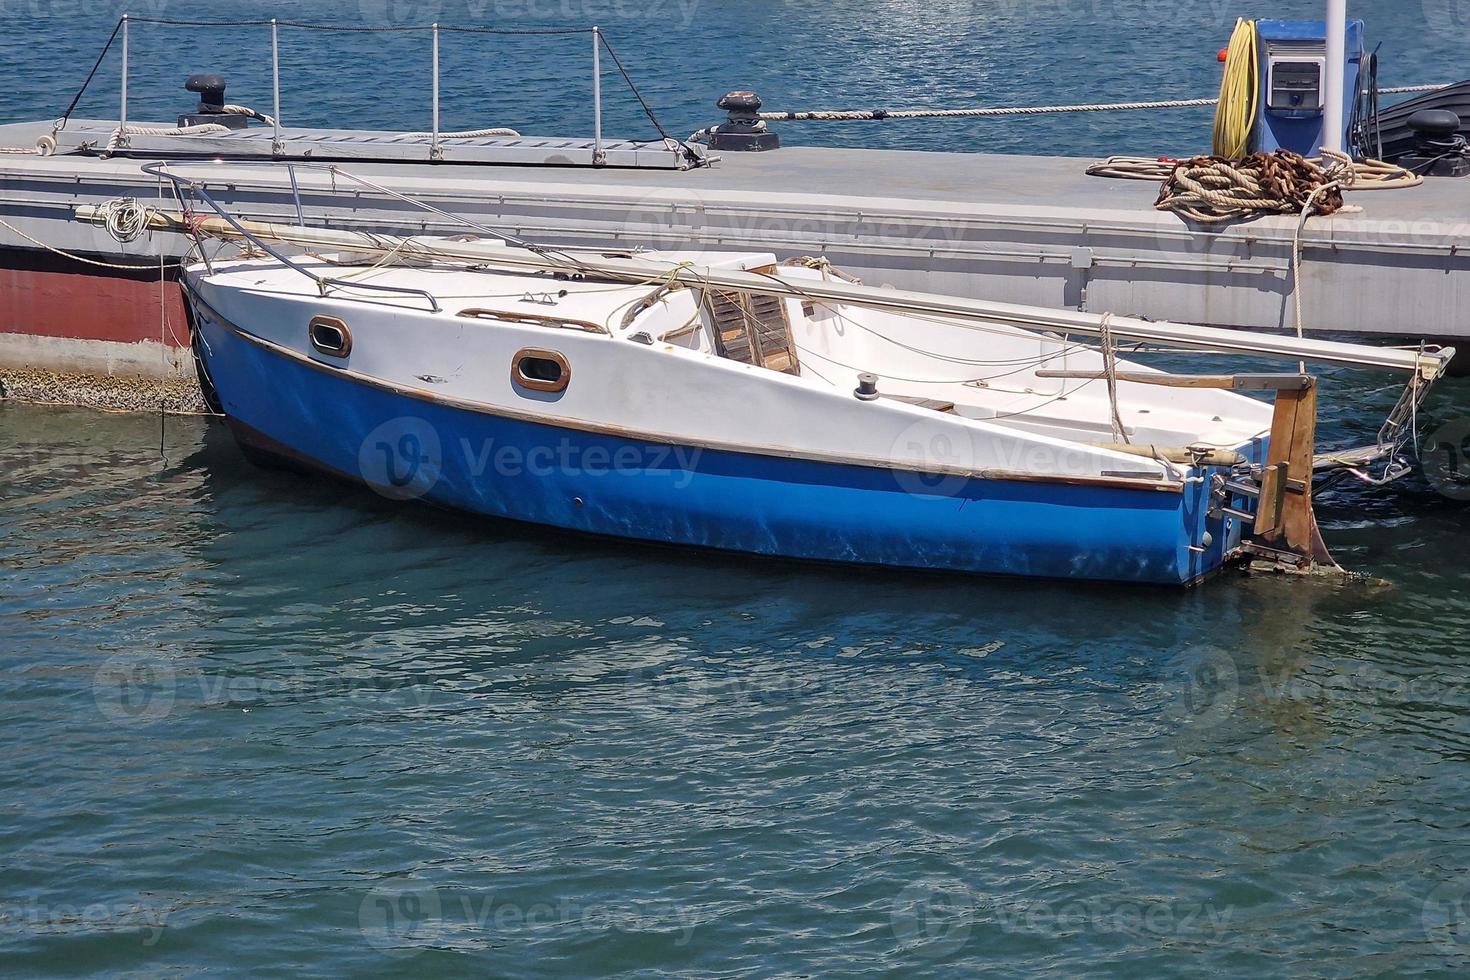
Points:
(599, 156)
(161, 169)
(197, 189)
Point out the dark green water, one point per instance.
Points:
(255, 722)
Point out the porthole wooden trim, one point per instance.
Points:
(522, 379)
(329, 323)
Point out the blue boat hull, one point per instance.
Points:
(413, 448)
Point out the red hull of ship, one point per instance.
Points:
(45, 295)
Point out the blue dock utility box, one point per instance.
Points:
(1293, 73)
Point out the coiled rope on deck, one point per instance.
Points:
(1213, 189)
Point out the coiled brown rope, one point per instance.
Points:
(1210, 189)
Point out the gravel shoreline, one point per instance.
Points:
(176, 396)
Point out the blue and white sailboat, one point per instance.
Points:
(735, 402)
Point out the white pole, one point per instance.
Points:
(597, 156)
(123, 110)
(434, 149)
(276, 77)
(1334, 93)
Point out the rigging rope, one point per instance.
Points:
(79, 258)
(1110, 370)
(864, 115)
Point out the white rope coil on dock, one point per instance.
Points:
(125, 219)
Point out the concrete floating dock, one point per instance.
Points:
(1034, 230)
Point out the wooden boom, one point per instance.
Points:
(624, 268)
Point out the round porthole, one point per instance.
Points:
(541, 370)
(330, 336)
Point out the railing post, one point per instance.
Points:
(276, 81)
(434, 151)
(122, 122)
(598, 157)
(296, 195)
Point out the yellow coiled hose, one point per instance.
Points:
(1235, 116)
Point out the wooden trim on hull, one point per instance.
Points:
(657, 438)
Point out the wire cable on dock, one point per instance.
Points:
(980, 112)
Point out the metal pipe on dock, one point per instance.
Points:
(1334, 83)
